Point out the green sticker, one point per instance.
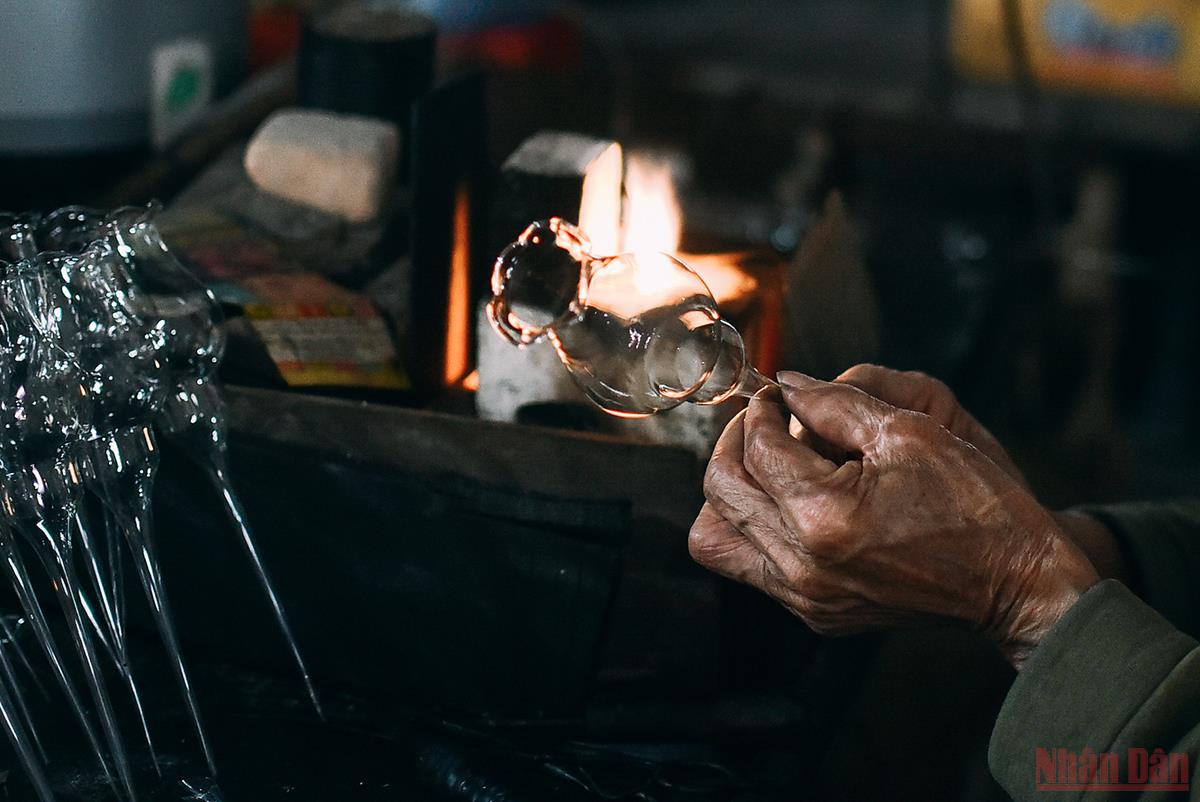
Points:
(183, 89)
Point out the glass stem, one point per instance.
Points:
(219, 475)
(116, 572)
(145, 560)
(18, 696)
(16, 735)
(41, 628)
(107, 629)
(11, 637)
(751, 382)
(67, 587)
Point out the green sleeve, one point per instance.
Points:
(1112, 675)
(1161, 544)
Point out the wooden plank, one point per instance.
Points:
(661, 481)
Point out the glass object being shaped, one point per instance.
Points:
(639, 333)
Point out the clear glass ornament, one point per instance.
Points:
(177, 307)
(639, 333)
(105, 338)
(44, 419)
(190, 314)
(125, 358)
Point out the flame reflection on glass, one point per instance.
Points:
(639, 333)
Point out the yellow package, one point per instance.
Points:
(1135, 48)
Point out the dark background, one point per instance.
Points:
(1080, 351)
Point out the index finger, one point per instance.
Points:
(843, 415)
(781, 464)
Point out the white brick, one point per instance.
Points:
(339, 163)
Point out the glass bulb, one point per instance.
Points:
(638, 332)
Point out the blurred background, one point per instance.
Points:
(1019, 175)
(1000, 193)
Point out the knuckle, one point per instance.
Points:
(797, 577)
(866, 369)
(906, 423)
(940, 388)
(937, 393)
(828, 543)
(739, 518)
(922, 377)
(858, 373)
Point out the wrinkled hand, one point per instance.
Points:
(916, 525)
(922, 393)
(919, 392)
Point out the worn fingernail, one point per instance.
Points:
(794, 380)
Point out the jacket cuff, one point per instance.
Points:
(1161, 546)
(1083, 683)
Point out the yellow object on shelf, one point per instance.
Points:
(1147, 49)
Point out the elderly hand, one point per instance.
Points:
(914, 525)
(921, 393)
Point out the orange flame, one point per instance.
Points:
(653, 219)
(654, 223)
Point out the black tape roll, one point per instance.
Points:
(358, 60)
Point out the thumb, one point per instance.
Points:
(840, 414)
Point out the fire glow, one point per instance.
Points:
(651, 226)
(653, 223)
(630, 204)
(744, 287)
